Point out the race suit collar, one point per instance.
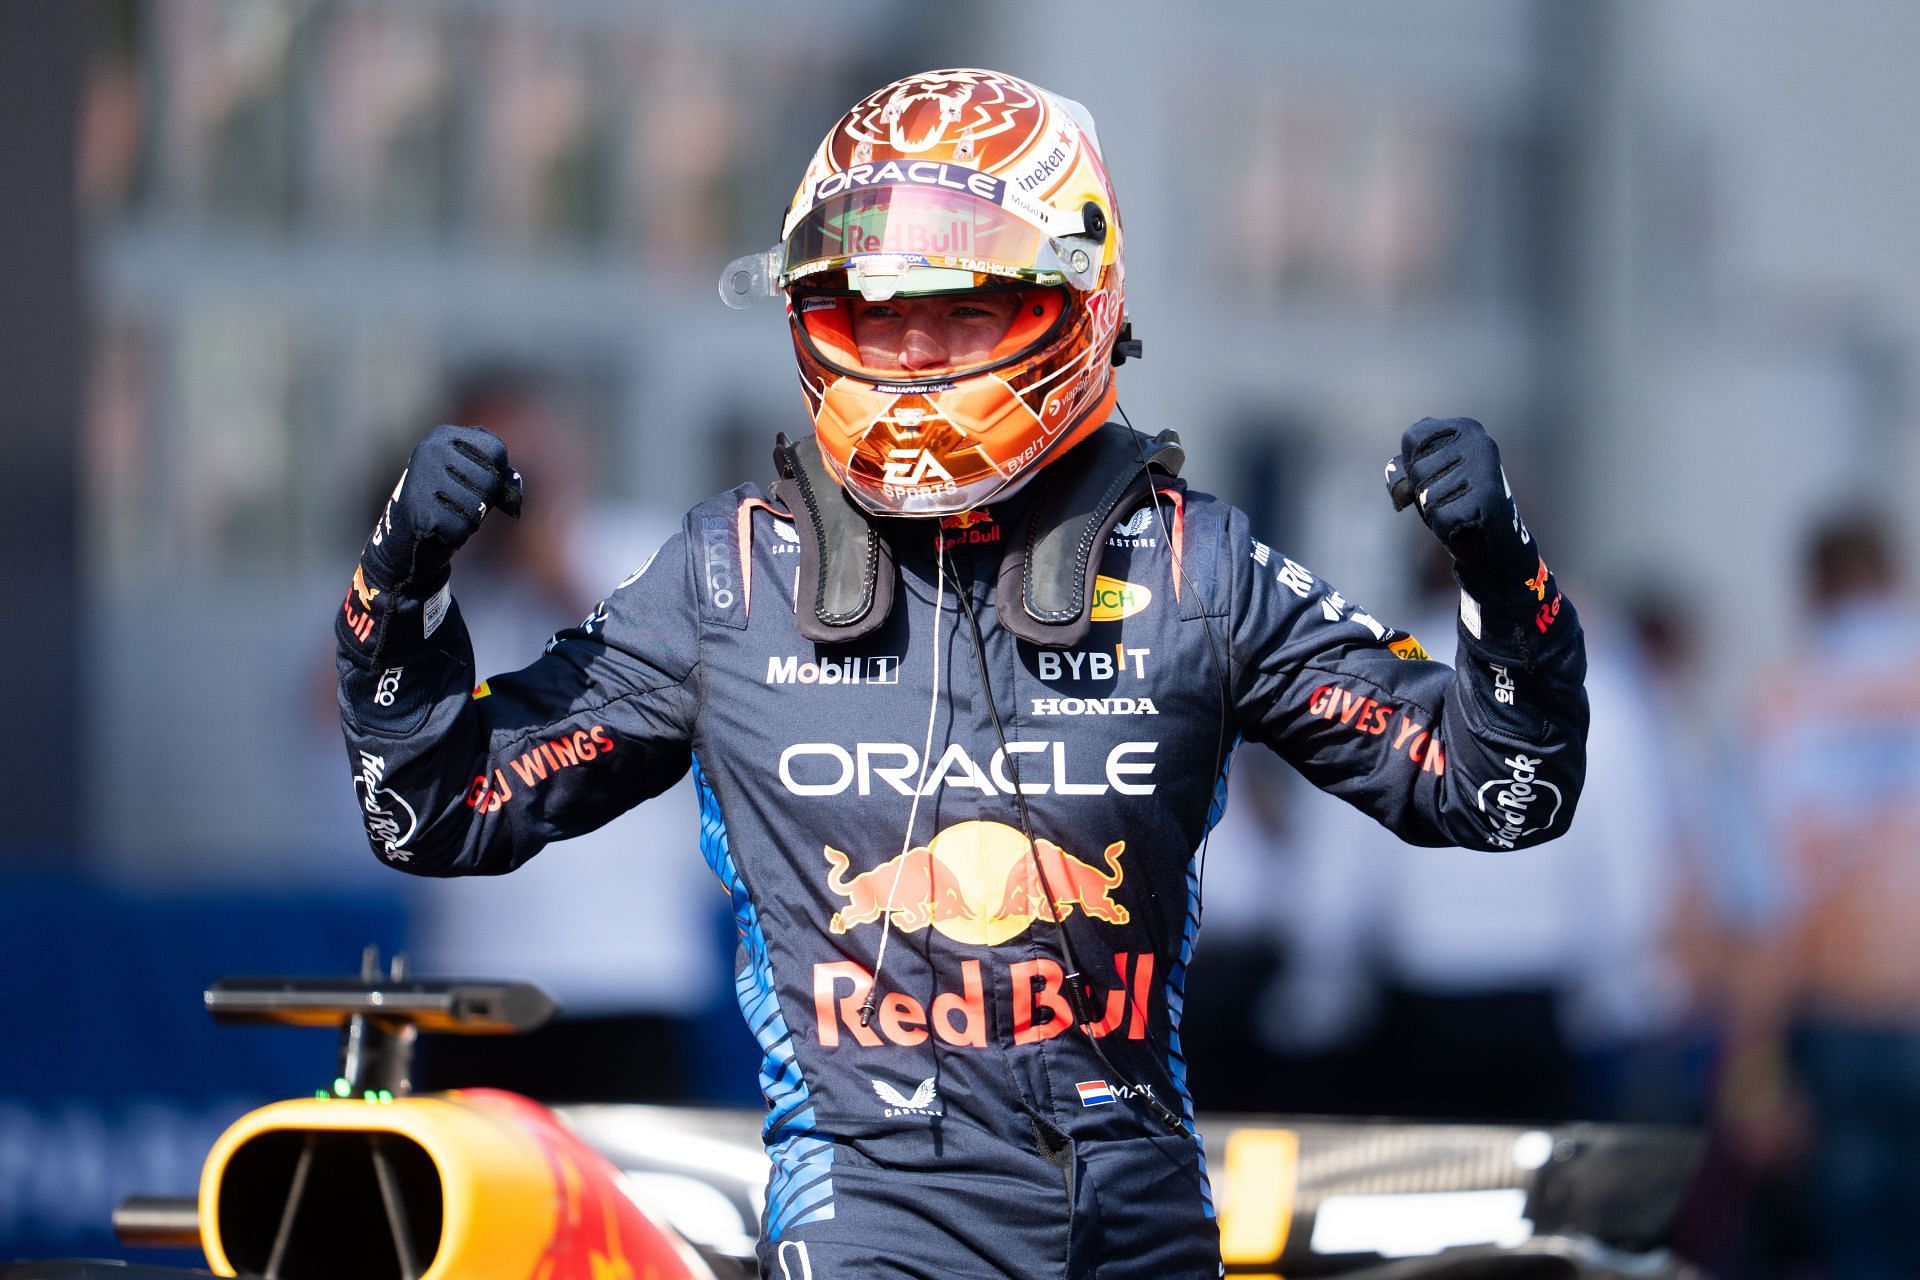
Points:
(1055, 529)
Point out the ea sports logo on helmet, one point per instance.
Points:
(914, 467)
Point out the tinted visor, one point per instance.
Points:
(927, 337)
(885, 240)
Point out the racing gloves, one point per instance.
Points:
(1449, 470)
(453, 478)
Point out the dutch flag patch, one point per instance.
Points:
(1094, 1092)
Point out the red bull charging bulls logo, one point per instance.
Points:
(976, 882)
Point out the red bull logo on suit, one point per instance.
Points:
(976, 882)
(1040, 1006)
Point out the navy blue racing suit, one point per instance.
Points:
(965, 1126)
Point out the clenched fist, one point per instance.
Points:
(1449, 469)
(453, 478)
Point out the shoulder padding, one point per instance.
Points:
(846, 567)
(1045, 588)
(1045, 592)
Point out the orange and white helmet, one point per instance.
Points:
(951, 183)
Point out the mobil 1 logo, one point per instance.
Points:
(792, 669)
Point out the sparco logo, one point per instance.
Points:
(719, 566)
(829, 769)
(1512, 803)
(791, 670)
(1502, 684)
(390, 820)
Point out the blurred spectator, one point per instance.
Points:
(1665, 1077)
(624, 926)
(1821, 1083)
(1666, 638)
(1480, 985)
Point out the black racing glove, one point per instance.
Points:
(453, 478)
(398, 597)
(1449, 468)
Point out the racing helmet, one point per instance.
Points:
(980, 201)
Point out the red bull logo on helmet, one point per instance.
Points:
(977, 883)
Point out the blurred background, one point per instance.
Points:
(252, 249)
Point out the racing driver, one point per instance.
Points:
(958, 691)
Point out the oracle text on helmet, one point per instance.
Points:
(926, 173)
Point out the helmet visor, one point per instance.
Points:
(910, 239)
(923, 338)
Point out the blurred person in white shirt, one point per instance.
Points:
(1820, 1084)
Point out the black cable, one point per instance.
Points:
(1075, 980)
